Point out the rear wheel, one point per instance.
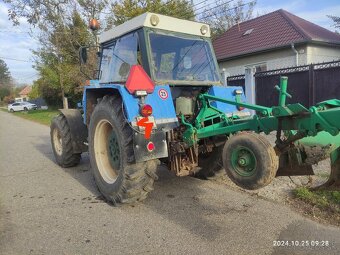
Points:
(117, 176)
(249, 160)
(62, 142)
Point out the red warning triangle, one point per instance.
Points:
(139, 80)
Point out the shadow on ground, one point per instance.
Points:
(183, 201)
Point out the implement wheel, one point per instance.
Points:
(249, 160)
(117, 176)
(62, 142)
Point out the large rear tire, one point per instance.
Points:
(62, 142)
(249, 160)
(117, 176)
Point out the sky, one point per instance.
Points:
(16, 44)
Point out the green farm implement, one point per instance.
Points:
(303, 137)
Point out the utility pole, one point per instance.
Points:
(61, 78)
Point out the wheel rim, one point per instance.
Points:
(243, 161)
(57, 141)
(106, 151)
(113, 148)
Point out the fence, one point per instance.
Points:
(307, 84)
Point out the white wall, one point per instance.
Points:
(274, 60)
(321, 53)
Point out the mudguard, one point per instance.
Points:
(164, 117)
(77, 128)
(227, 93)
(160, 100)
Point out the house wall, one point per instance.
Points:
(274, 60)
(321, 53)
(22, 98)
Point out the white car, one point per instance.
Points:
(23, 106)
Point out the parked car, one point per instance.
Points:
(23, 106)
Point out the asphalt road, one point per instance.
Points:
(45, 209)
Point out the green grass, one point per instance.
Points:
(320, 198)
(40, 116)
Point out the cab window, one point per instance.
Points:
(118, 57)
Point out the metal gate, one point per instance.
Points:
(307, 84)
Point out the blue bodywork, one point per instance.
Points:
(162, 101)
(164, 114)
(227, 93)
(163, 108)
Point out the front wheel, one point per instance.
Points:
(61, 141)
(249, 160)
(117, 176)
(11, 110)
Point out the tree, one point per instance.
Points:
(5, 80)
(58, 61)
(5, 75)
(123, 10)
(4, 92)
(62, 32)
(336, 20)
(223, 15)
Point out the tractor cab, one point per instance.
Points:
(170, 50)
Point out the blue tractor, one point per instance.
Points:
(152, 66)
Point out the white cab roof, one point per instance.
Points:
(164, 22)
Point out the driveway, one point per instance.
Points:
(45, 209)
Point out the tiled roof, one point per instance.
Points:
(273, 30)
(25, 91)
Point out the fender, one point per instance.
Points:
(163, 113)
(77, 128)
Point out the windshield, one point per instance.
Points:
(182, 59)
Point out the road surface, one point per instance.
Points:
(45, 209)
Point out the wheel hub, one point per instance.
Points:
(243, 161)
(114, 152)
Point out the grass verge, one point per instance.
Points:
(322, 205)
(40, 116)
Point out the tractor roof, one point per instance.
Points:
(158, 21)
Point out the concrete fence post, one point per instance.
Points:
(224, 75)
(250, 87)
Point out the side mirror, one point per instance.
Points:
(83, 55)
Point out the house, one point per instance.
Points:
(24, 94)
(276, 40)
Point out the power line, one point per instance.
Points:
(204, 7)
(15, 59)
(219, 5)
(14, 31)
(219, 12)
(26, 78)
